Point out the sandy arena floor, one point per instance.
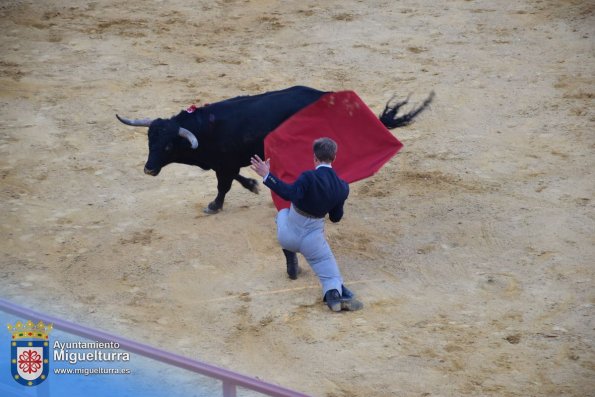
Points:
(473, 249)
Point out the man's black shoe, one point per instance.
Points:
(345, 293)
(348, 301)
(351, 304)
(345, 302)
(293, 268)
(333, 300)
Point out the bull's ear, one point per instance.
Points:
(184, 133)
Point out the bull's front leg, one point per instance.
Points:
(224, 180)
(248, 183)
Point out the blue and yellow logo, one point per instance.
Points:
(29, 352)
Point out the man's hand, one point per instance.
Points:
(262, 168)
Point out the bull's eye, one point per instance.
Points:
(169, 147)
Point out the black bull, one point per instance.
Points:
(223, 136)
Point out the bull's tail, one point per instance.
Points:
(389, 116)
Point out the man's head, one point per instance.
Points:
(325, 150)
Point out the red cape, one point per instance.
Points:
(365, 144)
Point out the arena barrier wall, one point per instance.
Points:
(230, 380)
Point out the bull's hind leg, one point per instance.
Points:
(248, 183)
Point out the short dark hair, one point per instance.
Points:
(325, 149)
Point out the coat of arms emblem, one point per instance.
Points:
(30, 352)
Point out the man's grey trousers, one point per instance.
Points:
(305, 235)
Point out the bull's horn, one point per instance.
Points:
(184, 133)
(136, 122)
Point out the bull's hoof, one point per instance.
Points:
(252, 185)
(212, 208)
